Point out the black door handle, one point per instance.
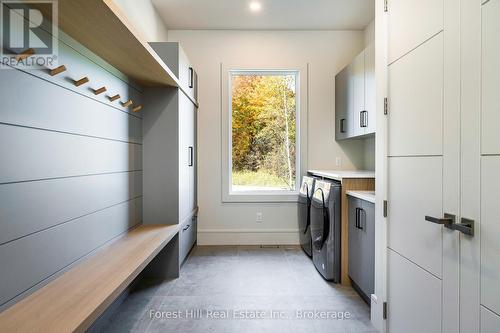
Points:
(186, 227)
(191, 156)
(357, 218)
(191, 77)
(361, 119)
(342, 121)
(362, 223)
(446, 220)
(466, 226)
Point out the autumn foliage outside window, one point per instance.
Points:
(264, 131)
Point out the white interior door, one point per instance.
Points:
(416, 165)
(490, 169)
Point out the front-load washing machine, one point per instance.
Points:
(304, 207)
(325, 228)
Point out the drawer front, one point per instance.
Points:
(187, 237)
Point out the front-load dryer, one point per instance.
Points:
(304, 207)
(325, 228)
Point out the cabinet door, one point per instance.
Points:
(343, 105)
(370, 91)
(185, 130)
(367, 247)
(355, 270)
(358, 86)
(491, 78)
(489, 225)
(191, 129)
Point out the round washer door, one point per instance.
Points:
(320, 219)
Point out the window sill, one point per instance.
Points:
(258, 197)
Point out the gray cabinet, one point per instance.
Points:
(187, 236)
(176, 59)
(355, 97)
(362, 246)
(343, 104)
(169, 156)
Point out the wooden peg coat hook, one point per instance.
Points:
(57, 70)
(83, 80)
(25, 54)
(99, 91)
(137, 108)
(114, 98)
(127, 103)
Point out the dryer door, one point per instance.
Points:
(304, 206)
(320, 218)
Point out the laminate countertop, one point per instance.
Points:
(363, 195)
(339, 175)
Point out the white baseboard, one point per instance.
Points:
(248, 237)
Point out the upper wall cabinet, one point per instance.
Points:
(355, 97)
(175, 58)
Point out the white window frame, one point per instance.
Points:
(226, 95)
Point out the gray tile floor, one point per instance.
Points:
(241, 282)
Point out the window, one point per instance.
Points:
(264, 131)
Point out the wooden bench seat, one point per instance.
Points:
(73, 301)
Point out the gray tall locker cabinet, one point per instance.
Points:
(169, 153)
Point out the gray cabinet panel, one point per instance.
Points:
(187, 237)
(362, 244)
(169, 157)
(176, 59)
(367, 248)
(354, 240)
(29, 154)
(56, 201)
(63, 111)
(170, 164)
(370, 90)
(29, 260)
(358, 86)
(161, 156)
(343, 105)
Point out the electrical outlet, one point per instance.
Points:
(259, 218)
(338, 161)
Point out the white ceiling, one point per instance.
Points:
(274, 15)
